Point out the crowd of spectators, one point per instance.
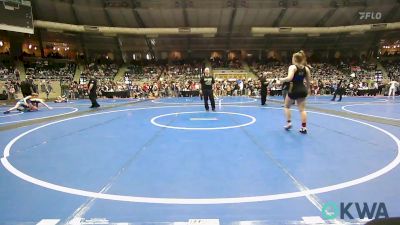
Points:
(163, 70)
(106, 71)
(392, 68)
(162, 79)
(153, 71)
(10, 89)
(358, 79)
(8, 72)
(217, 62)
(10, 77)
(49, 70)
(175, 79)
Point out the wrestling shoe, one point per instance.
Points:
(303, 130)
(288, 126)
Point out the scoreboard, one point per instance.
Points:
(16, 15)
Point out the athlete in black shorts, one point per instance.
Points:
(298, 72)
(285, 89)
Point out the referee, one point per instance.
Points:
(207, 86)
(339, 90)
(92, 89)
(264, 87)
(27, 87)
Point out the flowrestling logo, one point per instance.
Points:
(352, 210)
(370, 15)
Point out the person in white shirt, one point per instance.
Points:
(240, 87)
(392, 89)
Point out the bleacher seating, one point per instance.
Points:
(50, 70)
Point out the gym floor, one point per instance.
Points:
(167, 161)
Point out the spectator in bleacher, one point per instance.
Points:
(11, 92)
(49, 89)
